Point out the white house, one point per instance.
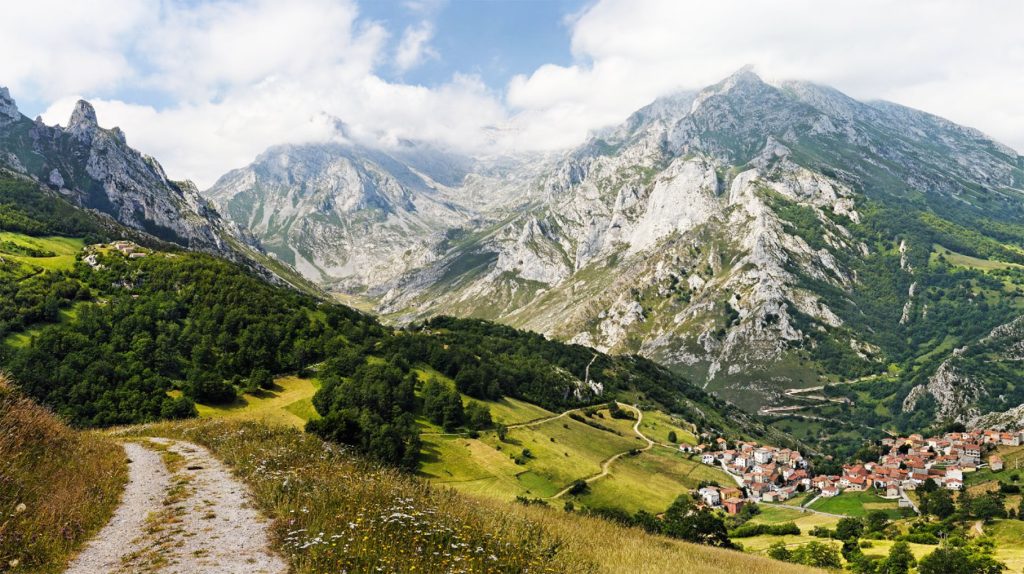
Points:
(710, 495)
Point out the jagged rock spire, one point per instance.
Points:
(83, 120)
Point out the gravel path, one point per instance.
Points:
(194, 517)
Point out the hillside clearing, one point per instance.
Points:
(289, 403)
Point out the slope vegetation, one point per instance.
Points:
(57, 486)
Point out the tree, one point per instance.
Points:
(452, 412)
(579, 487)
(478, 416)
(899, 561)
(818, 555)
(208, 388)
(180, 408)
(965, 503)
(261, 378)
(849, 528)
(672, 437)
(989, 506)
(929, 485)
(876, 521)
(958, 560)
(779, 551)
(938, 502)
(686, 522)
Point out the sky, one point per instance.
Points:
(205, 86)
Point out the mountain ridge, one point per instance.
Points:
(734, 233)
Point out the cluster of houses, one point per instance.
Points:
(907, 462)
(762, 473)
(770, 474)
(126, 248)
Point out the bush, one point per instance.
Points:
(749, 530)
(180, 408)
(921, 538)
(579, 487)
(209, 389)
(822, 532)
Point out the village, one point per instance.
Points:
(770, 474)
(128, 249)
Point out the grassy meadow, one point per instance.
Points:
(561, 450)
(807, 521)
(857, 504)
(40, 253)
(289, 403)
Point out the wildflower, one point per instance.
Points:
(14, 563)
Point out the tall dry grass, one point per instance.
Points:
(58, 486)
(334, 512)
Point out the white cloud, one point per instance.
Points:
(229, 78)
(948, 57)
(47, 49)
(246, 75)
(415, 46)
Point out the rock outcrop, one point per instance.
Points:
(95, 168)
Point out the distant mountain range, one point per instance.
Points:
(756, 236)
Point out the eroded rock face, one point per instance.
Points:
(348, 217)
(957, 393)
(954, 392)
(8, 109)
(96, 168)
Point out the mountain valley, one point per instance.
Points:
(755, 237)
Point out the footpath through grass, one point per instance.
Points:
(333, 512)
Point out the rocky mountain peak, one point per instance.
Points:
(8, 109)
(745, 76)
(83, 119)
